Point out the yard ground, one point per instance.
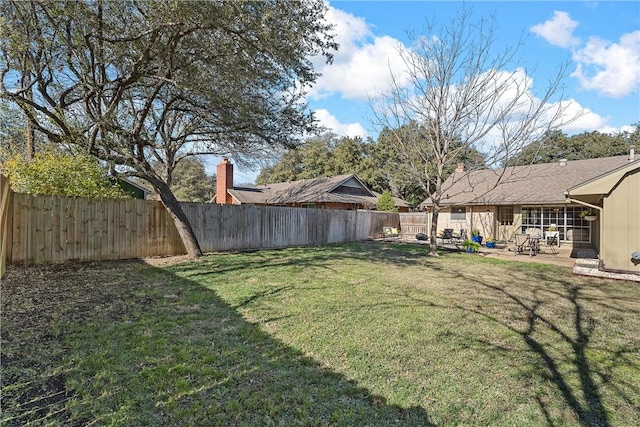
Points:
(358, 334)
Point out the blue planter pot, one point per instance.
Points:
(491, 245)
(476, 239)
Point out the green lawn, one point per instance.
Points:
(357, 334)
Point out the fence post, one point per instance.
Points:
(6, 216)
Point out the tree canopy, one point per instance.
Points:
(556, 145)
(134, 83)
(190, 182)
(53, 172)
(326, 155)
(385, 202)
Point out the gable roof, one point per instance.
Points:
(593, 189)
(336, 189)
(544, 183)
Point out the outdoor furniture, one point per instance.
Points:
(534, 243)
(447, 234)
(521, 243)
(390, 232)
(552, 238)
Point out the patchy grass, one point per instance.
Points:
(359, 334)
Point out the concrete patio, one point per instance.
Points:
(582, 260)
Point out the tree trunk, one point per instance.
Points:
(179, 218)
(30, 149)
(434, 230)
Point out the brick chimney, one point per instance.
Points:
(224, 181)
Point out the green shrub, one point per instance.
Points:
(53, 172)
(385, 202)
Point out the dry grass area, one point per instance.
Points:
(357, 334)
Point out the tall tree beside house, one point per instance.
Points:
(134, 83)
(462, 95)
(190, 182)
(399, 166)
(324, 156)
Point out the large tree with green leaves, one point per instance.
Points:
(463, 93)
(139, 82)
(556, 145)
(190, 182)
(54, 172)
(326, 155)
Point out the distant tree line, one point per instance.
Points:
(377, 164)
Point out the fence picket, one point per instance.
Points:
(57, 229)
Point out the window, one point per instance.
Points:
(566, 218)
(308, 205)
(505, 215)
(458, 214)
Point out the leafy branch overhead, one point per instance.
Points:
(139, 84)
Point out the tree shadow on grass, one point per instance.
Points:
(396, 254)
(127, 344)
(560, 324)
(577, 372)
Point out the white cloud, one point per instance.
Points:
(577, 117)
(558, 30)
(610, 68)
(362, 65)
(326, 119)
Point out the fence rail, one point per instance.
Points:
(55, 229)
(413, 223)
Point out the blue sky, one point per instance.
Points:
(601, 41)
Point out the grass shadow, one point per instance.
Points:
(124, 343)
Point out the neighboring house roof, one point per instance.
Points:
(544, 183)
(336, 189)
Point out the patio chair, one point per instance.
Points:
(447, 234)
(521, 243)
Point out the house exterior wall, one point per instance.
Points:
(482, 218)
(487, 220)
(621, 225)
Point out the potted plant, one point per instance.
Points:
(475, 236)
(588, 215)
(491, 243)
(471, 246)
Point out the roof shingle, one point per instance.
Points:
(533, 184)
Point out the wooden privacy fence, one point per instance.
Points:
(229, 227)
(413, 223)
(5, 222)
(56, 229)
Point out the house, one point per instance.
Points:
(526, 199)
(345, 192)
(615, 195)
(134, 189)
